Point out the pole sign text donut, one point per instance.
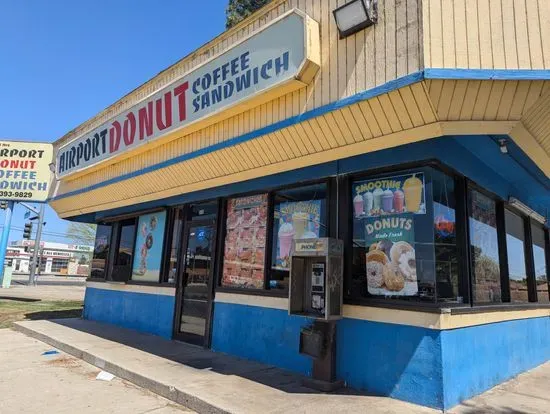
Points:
(25, 173)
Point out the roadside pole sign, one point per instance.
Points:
(25, 173)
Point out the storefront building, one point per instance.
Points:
(57, 259)
(422, 142)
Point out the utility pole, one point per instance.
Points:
(4, 239)
(32, 273)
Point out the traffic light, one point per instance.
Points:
(27, 231)
(3, 205)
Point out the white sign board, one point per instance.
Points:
(267, 59)
(25, 170)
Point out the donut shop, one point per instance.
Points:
(340, 189)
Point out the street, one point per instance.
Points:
(35, 383)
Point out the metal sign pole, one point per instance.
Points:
(32, 273)
(5, 238)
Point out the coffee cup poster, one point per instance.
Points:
(148, 251)
(295, 220)
(390, 195)
(390, 257)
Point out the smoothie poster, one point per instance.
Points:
(245, 239)
(148, 251)
(389, 195)
(293, 221)
(391, 260)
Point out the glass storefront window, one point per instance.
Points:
(404, 237)
(149, 243)
(484, 249)
(122, 266)
(445, 240)
(245, 242)
(539, 256)
(175, 245)
(515, 247)
(299, 213)
(101, 251)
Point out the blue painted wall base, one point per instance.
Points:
(140, 311)
(266, 335)
(434, 368)
(477, 358)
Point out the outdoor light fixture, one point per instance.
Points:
(514, 202)
(355, 15)
(52, 167)
(503, 147)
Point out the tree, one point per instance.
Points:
(81, 233)
(238, 10)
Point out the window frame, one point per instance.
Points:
(345, 232)
(533, 223)
(171, 214)
(116, 224)
(220, 255)
(107, 259)
(501, 244)
(527, 251)
(222, 227)
(113, 254)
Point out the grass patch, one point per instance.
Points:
(13, 310)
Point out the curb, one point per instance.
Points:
(164, 390)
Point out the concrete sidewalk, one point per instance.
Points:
(210, 382)
(202, 380)
(44, 292)
(32, 380)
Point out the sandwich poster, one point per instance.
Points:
(245, 240)
(391, 256)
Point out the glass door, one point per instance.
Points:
(195, 284)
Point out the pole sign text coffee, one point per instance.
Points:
(260, 63)
(25, 170)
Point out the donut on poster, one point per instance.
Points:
(148, 247)
(390, 257)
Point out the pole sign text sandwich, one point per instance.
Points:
(25, 170)
(269, 58)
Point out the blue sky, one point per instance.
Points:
(63, 61)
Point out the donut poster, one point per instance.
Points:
(148, 249)
(390, 257)
(245, 239)
(389, 196)
(295, 220)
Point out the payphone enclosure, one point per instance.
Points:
(316, 278)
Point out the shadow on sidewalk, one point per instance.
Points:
(200, 358)
(54, 314)
(468, 408)
(17, 299)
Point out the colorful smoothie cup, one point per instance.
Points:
(412, 188)
(387, 201)
(368, 200)
(377, 196)
(299, 222)
(285, 235)
(358, 205)
(398, 201)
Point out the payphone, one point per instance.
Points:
(316, 278)
(316, 290)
